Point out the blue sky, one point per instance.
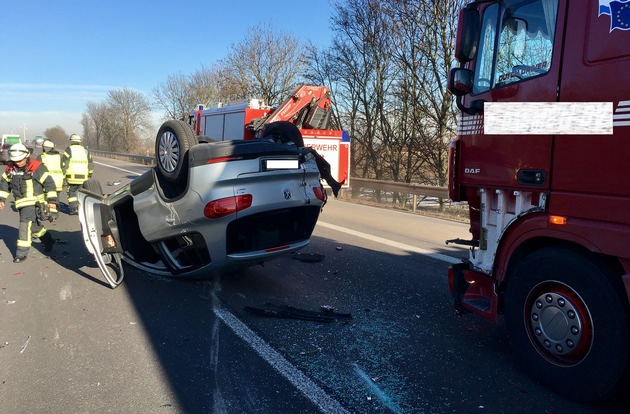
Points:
(58, 55)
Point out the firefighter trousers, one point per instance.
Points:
(30, 226)
(73, 200)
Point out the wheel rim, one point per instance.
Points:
(559, 323)
(168, 151)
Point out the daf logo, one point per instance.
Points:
(472, 170)
(287, 194)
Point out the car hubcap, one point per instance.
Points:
(559, 323)
(168, 152)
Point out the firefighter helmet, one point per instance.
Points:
(18, 152)
(48, 144)
(75, 138)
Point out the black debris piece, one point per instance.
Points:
(309, 257)
(285, 311)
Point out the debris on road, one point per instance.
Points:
(28, 339)
(309, 257)
(285, 311)
(313, 351)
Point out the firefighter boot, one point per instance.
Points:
(48, 241)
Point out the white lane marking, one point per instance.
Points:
(304, 384)
(117, 168)
(402, 246)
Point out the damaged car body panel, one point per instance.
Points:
(232, 204)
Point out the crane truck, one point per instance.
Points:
(308, 107)
(550, 211)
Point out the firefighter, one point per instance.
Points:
(77, 167)
(34, 193)
(51, 158)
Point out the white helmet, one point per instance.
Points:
(48, 144)
(75, 138)
(18, 152)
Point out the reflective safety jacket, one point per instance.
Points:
(77, 164)
(53, 162)
(29, 185)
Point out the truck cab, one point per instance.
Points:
(549, 212)
(5, 144)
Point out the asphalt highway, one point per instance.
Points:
(71, 344)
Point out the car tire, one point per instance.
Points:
(173, 140)
(568, 323)
(93, 185)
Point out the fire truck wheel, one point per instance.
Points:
(172, 143)
(569, 323)
(93, 185)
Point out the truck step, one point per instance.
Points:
(481, 304)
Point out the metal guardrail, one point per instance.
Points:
(388, 186)
(405, 188)
(137, 159)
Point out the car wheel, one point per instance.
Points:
(93, 185)
(568, 323)
(172, 143)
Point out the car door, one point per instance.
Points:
(92, 215)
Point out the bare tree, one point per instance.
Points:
(362, 56)
(388, 66)
(98, 127)
(130, 111)
(425, 55)
(267, 64)
(175, 96)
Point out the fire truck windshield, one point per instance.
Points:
(520, 49)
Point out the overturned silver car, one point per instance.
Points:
(206, 208)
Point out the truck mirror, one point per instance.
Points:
(468, 29)
(460, 81)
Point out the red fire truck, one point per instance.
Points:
(308, 108)
(549, 212)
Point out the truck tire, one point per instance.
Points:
(568, 323)
(172, 143)
(93, 185)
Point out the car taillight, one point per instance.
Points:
(319, 193)
(226, 206)
(223, 159)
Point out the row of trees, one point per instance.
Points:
(387, 70)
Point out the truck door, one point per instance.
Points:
(518, 60)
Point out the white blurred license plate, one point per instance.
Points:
(281, 164)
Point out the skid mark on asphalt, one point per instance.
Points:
(305, 385)
(391, 243)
